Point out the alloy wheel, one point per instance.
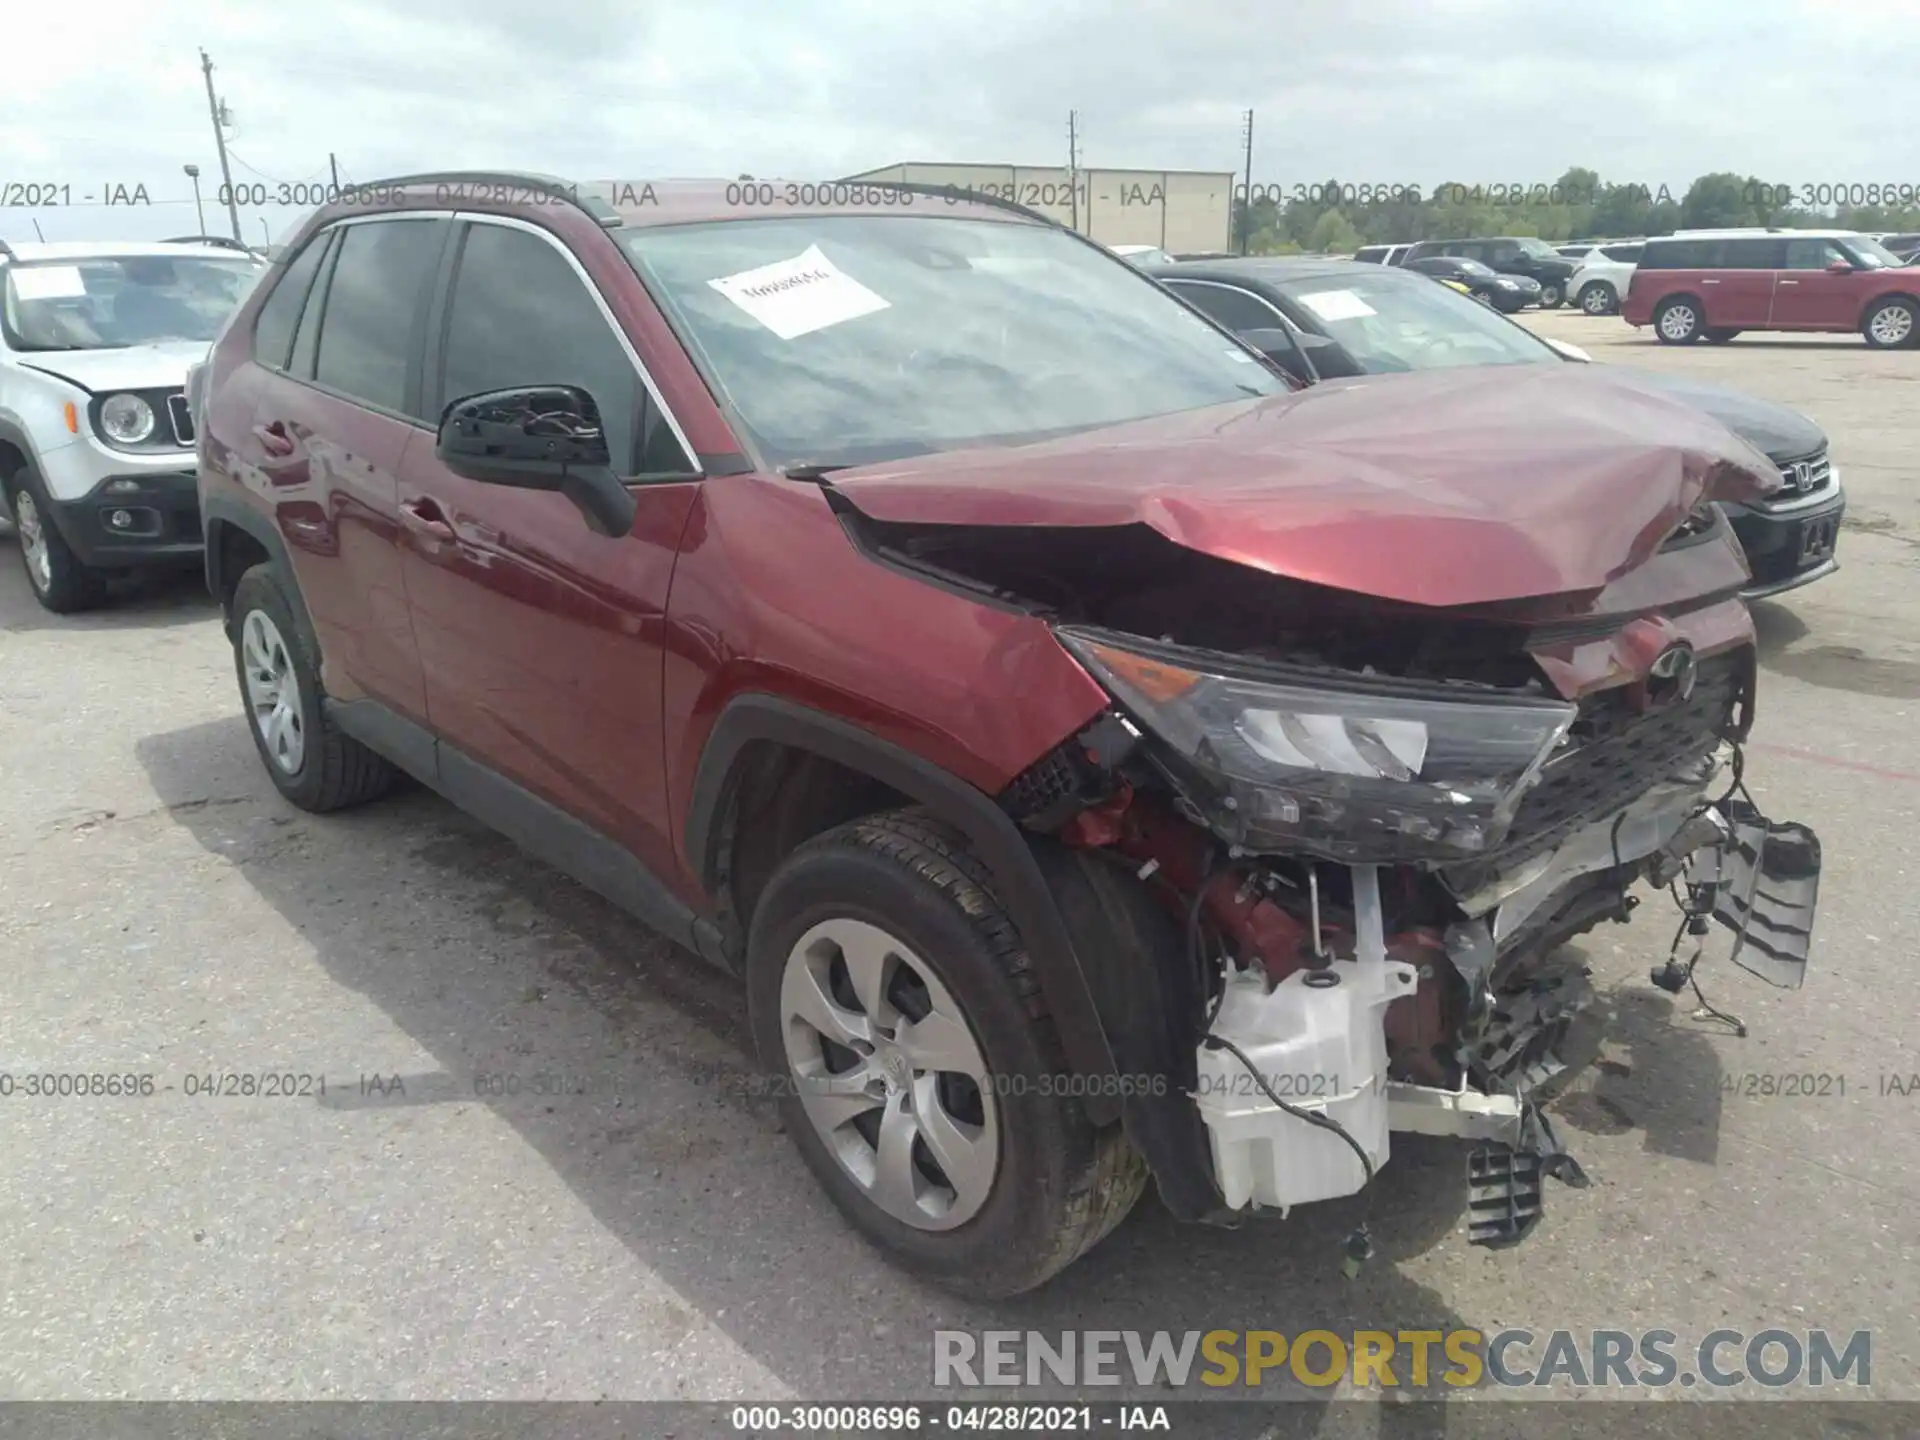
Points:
(33, 540)
(1549, 297)
(1892, 325)
(1678, 322)
(1596, 300)
(273, 692)
(889, 1073)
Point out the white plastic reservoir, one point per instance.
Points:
(1321, 1047)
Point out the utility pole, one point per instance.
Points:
(1073, 165)
(199, 211)
(1246, 210)
(334, 166)
(218, 112)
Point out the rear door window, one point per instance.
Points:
(1626, 254)
(1234, 308)
(280, 315)
(1755, 253)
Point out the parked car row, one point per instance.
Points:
(1522, 257)
(1077, 704)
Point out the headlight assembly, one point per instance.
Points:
(126, 419)
(1348, 767)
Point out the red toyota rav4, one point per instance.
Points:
(1097, 759)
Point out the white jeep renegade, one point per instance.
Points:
(96, 440)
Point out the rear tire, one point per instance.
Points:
(1552, 297)
(894, 922)
(1597, 298)
(310, 761)
(54, 573)
(1677, 321)
(1893, 324)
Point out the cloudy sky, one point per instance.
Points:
(109, 93)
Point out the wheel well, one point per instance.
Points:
(12, 460)
(235, 552)
(1666, 300)
(782, 797)
(1879, 300)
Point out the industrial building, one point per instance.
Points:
(1177, 210)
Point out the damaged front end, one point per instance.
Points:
(1374, 876)
(1411, 684)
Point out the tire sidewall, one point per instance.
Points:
(262, 589)
(1011, 1233)
(1602, 293)
(1552, 296)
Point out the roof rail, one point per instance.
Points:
(558, 186)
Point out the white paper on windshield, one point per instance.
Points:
(798, 296)
(1337, 305)
(48, 282)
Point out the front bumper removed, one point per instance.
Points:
(1756, 878)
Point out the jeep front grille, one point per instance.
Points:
(182, 418)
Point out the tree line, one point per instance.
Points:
(1334, 217)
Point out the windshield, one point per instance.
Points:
(847, 339)
(1871, 254)
(1533, 245)
(110, 302)
(1410, 325)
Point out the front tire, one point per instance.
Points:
(54, 573)
(1677, 321)
(1893, 324)
(1598, 298)
(1551, 295)
(895, 1008)
(310, 761)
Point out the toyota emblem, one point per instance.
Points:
(1671, 676)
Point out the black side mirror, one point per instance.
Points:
(540, 437)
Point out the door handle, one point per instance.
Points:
(1709, 282)
(274, 439)
(423, 518)
(1789, 282)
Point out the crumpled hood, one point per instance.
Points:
(1776, 430)
(1453, 487)
(161, 365)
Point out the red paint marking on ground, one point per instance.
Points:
(1797, 754)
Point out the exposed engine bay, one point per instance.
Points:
(1378, 829)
